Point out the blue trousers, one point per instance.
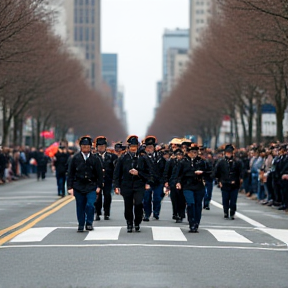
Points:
(194, 205)
(85, 207)
(229, 199)
(208, 193)
(61, 179)
(155, 196)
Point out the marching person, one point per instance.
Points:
(85, 180)
(60, 165)
(129, 180)
(176, 195)
(42, 161)
(228, 171)
(107, 160)
(154, 187)
(189, 175)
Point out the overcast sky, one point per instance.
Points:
(133, 29)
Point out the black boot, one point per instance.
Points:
(232, 214)
(129, 227)
(191, 220)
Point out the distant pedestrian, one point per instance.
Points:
(42, 161)
(60, 165)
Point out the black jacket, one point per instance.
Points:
(108, 165)
(184, 173)
(85, 176)
(229, 172)
(61, 162)
(156, 164)
(124, 180)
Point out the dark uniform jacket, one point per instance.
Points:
(229, 172)
(42, 161)
(167, 174)
(61, 162)
(156, 164)
(85, 176)
(108, 165)
(185, 173)
(124, 180)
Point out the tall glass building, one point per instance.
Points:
(110, 72)
(83, 30)
(178, 38)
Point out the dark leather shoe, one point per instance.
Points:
(137, 228)
(129, 228)
(226, 216)
(193, 229)
(146, 219)
(179, 220)
(106, 217)
(89, 227)
(97, 217)
(174, 217)
(156, 217)
(80, 229)
(207, 208)
(232, 217)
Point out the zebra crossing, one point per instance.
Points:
(156, 234)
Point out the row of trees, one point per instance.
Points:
(240, 65)
(40, 79)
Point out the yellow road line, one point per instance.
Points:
(12, 235)
(34, 215)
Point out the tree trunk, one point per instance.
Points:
(259, 120)
(250, 121)
(243, 127)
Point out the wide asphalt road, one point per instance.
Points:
(39, 245)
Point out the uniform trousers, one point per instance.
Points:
(85, 207)
(155, 196)
(229, 199)
(178, 202)
(194, 200)
(133, 207)
(106, 192)
(208, 192)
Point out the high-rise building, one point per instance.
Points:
(177, 60)
(172, 41)
(178, 38)
(200, 12)
(110, 72)
(83, 32)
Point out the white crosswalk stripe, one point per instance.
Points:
(172, 234)
(104, 233)
(33, 234)
(168, 234)
(228, 236)
(280, 234)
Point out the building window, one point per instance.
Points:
(87, 34)
(93, 2)
(76, 2)
(93, 34)
(80, 33)
(87, 15)
(75, 16)
(75, 34)
(92, 16)
(81, 15)
(80, 2)
(93, 70)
